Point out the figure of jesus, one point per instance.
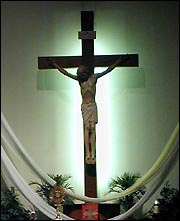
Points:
(87, 81)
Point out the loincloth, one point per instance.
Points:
(89, 112)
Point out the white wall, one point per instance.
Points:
(136, 123)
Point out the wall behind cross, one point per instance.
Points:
(136, 117)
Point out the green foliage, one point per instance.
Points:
(120, 184)
(168, 203)
(11, 208)
(44, 189)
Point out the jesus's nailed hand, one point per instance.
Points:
(51, 62)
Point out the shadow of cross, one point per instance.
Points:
(87, 35)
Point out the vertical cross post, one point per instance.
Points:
(87, 36)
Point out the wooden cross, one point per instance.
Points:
(88, 58)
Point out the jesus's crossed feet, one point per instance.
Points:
(90, 160)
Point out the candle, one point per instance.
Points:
(156, 207)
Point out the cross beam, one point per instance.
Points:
(98, 60)
(87, 35)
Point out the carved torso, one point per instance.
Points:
(88, 90)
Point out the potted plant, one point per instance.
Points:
(120, 184)
(11, 208)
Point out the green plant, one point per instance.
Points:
(44, 189)
(168, 204)
(120, 184)
(11, 208)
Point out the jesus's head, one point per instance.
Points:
(83, 73)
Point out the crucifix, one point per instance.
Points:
(88, 59)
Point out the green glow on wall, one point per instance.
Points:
(66, 114)
(103, 134)
(109, 90)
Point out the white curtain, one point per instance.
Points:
(12, 151)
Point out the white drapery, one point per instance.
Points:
(10, 146)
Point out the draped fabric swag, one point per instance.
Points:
(13, 152)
